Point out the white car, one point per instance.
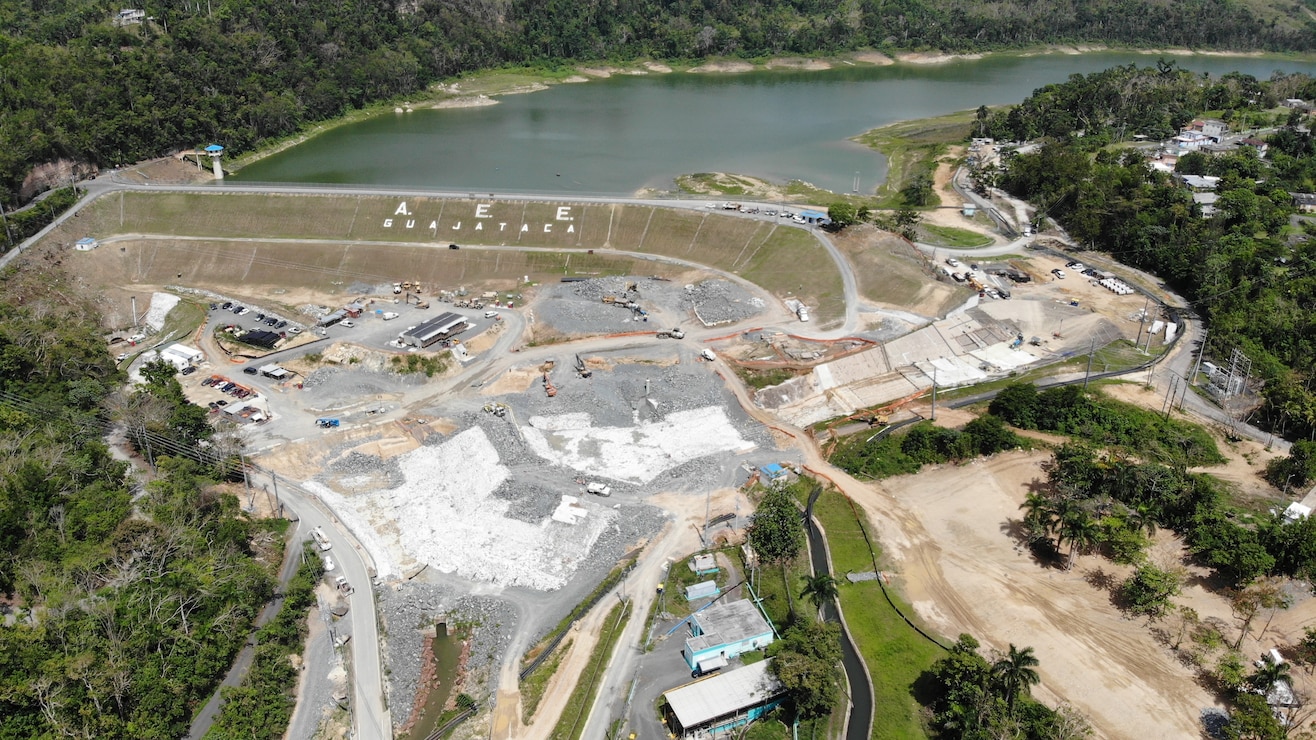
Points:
(121, 357)
(952, 262)
(294, 330)
(328, 564)
(348, 324)
(1059, 273)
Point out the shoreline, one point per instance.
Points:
(483, 88)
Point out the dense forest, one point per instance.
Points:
(121, 605)
(1250, 270)
(77, 87)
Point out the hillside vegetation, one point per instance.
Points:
(120, 609)
(1249, 270)
(77, 87)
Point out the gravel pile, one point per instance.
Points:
(320, 376)
(410, 608)
(502, 432)
(1214, 721)
(720, 302)
(495, 622)
(578, 308)
(357, 463)
(527, 501)
(404, 612)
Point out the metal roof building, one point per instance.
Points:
(724, 631)
(443, 326)
(722, 702)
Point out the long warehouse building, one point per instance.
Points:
(443, 326)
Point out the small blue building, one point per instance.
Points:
(817, 218)
(721, 703)
(773, 473)
(721, 632)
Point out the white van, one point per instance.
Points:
(491, 314)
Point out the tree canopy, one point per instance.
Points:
(81, 87)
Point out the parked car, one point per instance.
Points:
(189, 370)
(453, 246)
(328, 564)
(250, 370)
(260, 317)
(227, 305)
(952, 262)
(281, 324)
(122, 356)
(491, 314)
(294, 330)
(347, 324)
(214, 306)
(1059, 273)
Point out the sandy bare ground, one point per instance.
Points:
(948, 534)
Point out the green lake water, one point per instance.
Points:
(617, 135)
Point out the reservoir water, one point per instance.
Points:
(618, 135)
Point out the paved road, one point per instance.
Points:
(371, 716)
(370, 713)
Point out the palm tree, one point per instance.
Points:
(1039, 515)
(1015, 672)
(1270, 674)
(819, 589)
(1142, 519)
(1081, 531)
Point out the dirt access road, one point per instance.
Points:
(947, 531)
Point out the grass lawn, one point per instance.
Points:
(572, 722)
(896, 655)
(949, 236)
(365, 239)
(912, 146)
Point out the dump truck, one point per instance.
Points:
(671, 334)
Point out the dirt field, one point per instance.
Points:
(950, 533)
(891, 273)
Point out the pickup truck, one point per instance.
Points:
(321, 541)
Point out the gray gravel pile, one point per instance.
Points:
(720, 302)
(356, 463)
(495, 622)
(527, 501)
(504, 436)
(578, 308)
(320, 376)
(405, 612)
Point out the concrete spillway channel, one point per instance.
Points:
(860, 723)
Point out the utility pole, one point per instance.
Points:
(1169, 394)
(1200, 352)
(1092, 349)
(934, 393)
(1141, 323)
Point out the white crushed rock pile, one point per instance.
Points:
(445, 514)
(635, 454)
(161, 305)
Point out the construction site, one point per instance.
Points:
(569, 418)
